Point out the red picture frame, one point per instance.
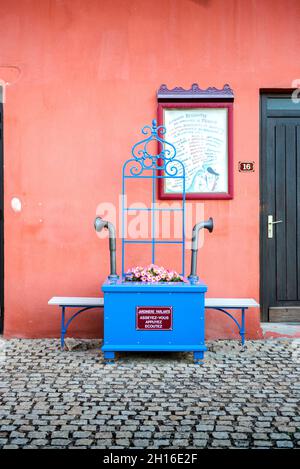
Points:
(201, 195)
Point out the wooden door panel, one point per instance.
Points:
(278, 159)
(298, 203)
(291, 213)
(1, 218)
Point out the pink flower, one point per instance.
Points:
(153, 274)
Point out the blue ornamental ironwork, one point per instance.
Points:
(147, 164)
(141, 153)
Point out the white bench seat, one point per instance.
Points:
(76, 301)
(231, 303)
(209, 302)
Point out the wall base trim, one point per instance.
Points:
(272, 330)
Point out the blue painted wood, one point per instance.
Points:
(198, 357)
(166, 287)
(121, 301)
(109, 355)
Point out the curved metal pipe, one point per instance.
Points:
(99, 224)
(209, 225)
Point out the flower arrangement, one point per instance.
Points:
(152, 274)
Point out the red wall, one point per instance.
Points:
(89, 71)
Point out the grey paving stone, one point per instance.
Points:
(224, 428)
(221, 443)
(260, 436)
(104, 442)
(263, 443)
(71, 400)
(239, 436)
(103, 435)
(279, 436)
(60, 442)
(84, 442)
(241, 444)
(59, 434)
(164, 443)
(120, 434)
(145, 434)
(19, 441)
(16, 434)
(286, 429)
(205, 428)
(37, 434)
(141, 443)
(200, 435)
(122, 442)
(284, 444)
(200, 443)
(40, 442)
(8, 428)
(81, 435)
(220, 435)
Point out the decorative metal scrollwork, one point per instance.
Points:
(144, 158)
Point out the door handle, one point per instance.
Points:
(270, 225)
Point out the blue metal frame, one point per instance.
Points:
(145, 165)
(64, 326)
(241, 326)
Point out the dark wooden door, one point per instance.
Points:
(1, 219)
(280, 208)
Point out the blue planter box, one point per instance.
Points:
(134, 312)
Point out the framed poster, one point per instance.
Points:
(202, 135)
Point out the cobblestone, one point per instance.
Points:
(236, 399)
(284, 444)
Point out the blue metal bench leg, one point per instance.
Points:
(109, 357)
(242, 329)
(63, 329)
(198, 357)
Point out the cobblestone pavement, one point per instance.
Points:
(71, 399)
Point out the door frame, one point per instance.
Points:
(1, 217)
(265, 93)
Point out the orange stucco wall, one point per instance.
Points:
(84, 74)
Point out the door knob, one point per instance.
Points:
(270, 225)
